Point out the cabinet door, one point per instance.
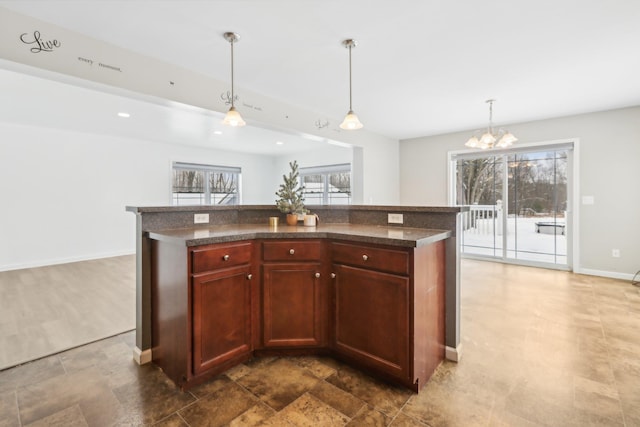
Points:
(371, 319)
(221, 317)
(292, 312)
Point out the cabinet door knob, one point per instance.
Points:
(292, 251)
(249, 276)
(333, 275)
(365, 257)
(317, 275)
(226, 257)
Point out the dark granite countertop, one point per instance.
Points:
(388, 235)
(430, 209)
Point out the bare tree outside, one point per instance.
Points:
(223, 187)
(188, 181)
(341, 181)
(327, 187)
(204, 186)
(477, 181)
(537, 182)
(518, 205)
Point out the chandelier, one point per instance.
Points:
(488, 139)
(233, 117)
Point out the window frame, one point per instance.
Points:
(325, 171)
(207, 170)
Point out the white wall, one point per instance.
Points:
(381, 177)
(327, 155)
(64, 193)
(609, 158)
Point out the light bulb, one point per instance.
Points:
(487, 139)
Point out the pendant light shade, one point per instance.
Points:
(351, 121)
(233, 117)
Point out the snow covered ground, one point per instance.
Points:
(523, 242)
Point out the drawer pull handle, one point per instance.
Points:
(249, 276)
(333, 275)
(317, 275)
(365, 257)
(292, 251)
(225, 258)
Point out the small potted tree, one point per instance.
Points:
(290, 196)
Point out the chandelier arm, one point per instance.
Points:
(491, 117)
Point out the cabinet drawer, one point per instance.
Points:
(214, 257)
(292, 250)
(392, 261)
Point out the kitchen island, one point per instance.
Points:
(361, 290)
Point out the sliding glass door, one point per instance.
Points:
(518, 204)
(537, 220)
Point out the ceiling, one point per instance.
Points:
(422, 67)
(33, 100)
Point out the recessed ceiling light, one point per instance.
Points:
(124, 115)
(279, 143)
(217, 132)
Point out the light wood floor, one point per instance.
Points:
(49, 309)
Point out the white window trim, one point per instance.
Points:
(207, 168)
(325, 171)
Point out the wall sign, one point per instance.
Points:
(40, 45)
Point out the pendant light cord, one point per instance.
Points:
(232, 94)
(350, 97)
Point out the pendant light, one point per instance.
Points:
(233, 117)
(351, 121)
(489, 138)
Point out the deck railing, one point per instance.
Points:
(481, 219)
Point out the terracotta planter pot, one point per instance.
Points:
(292, 219)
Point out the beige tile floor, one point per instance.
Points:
(49, 309)
(541, 348)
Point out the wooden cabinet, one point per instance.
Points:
(372, 307)
(293, 294)
(201, 309)
(221, 317)
(389, 309)
(371, 322)
(378, 307)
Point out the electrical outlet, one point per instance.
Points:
(201, 218)
(588, 200)
(395, 218)
(615, 253)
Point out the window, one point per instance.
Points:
(205, 185)
(327, 185)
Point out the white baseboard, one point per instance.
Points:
(609, 274)
(453, 354)
(56, 261)
(142, 357)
